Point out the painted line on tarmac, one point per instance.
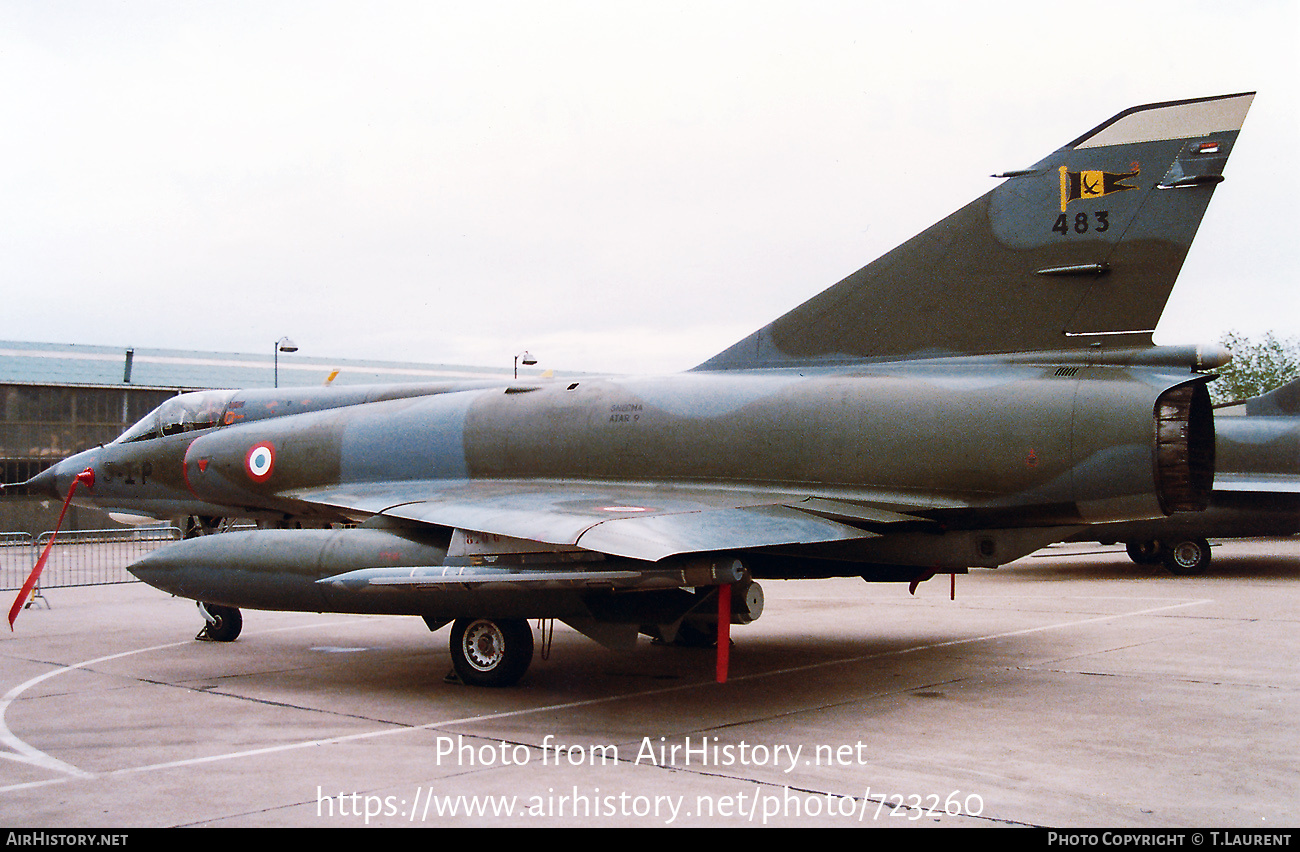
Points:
(367, 735)
(22, 752)
(987, 637)
(71, 772)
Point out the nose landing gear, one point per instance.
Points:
(222, 623)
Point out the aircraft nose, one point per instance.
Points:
(153, 567)
(163, 569)
(43, 484)
(56, 479)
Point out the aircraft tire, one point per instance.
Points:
(488, 652)
(229, 623)
(1144, 551)
(1187, 557)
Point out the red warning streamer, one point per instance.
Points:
(724, 631)
(87, 476)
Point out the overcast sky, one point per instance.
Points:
(625, 187)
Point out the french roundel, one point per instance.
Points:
(260, 461)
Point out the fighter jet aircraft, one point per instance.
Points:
(1256, 489)
(985, 389)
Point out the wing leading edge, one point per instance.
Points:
(647, 522)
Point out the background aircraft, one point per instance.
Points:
(985, 389)
(1256, 488)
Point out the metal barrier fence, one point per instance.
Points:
(79, 557)
(15, 552)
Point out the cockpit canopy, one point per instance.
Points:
(190, 412)
(184, 413)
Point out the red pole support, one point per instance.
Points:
(724, 631)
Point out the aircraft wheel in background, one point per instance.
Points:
(1187, 557)
(1144, 552)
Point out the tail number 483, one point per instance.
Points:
(1082, 223)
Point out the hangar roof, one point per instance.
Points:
(78, 364)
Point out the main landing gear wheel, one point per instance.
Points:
(222, 623)
(1187, 557)
(491, 653)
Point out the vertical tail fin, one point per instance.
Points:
(1280, 401)
(1082, 248)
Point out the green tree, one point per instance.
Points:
(1257, 366)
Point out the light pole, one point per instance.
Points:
(525, 359)
(284, 344)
